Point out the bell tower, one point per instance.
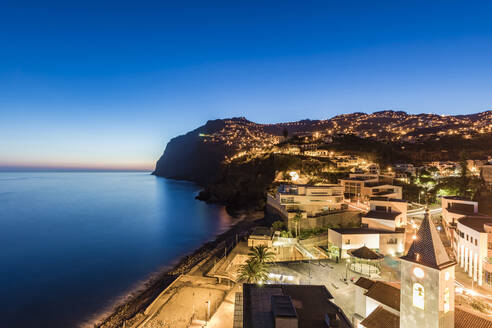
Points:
(427, 281)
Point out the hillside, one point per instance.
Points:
(214, 155)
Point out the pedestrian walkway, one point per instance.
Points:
(224, 316)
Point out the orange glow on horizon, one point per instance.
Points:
(80, 166)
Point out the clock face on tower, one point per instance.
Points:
(418, 272)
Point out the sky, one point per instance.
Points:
(98, 84)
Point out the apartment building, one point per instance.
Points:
(385, 241)
(473, 247)
(363, 186)
(454, 208)
(386, 213)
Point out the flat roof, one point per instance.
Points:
(388, 199)
(282, 306)
(382, 215)
(379, 184)
(261, 231)
(358, 179)
(311, 302)
(363, 231)
(476, 222)
(457, 198)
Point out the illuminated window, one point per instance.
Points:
(446, 300)
(418, 296)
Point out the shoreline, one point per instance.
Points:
(136, 303)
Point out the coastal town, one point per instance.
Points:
(246, 164)
(344, 242)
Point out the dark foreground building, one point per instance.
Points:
(289, 306)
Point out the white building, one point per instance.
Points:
(385, 241)
(317, 152)
(454, 208)
(473, 247)
(426, 293)
(310, 199)
(363, 186)
(386, 213)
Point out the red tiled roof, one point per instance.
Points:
(381, 318)
(364, 283)
(465, 319)
(386, 294)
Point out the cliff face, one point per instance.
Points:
(187, 157)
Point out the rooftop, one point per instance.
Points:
(388, 199)
(465, 319)
(378, 184)
(282, 306)
(381, 318)
(476, 222)
(427, 248)
(310, 302)
(457, 198)
(364, 283)
(381, 215)
(259, 231)
(385, 293)
(365, 253)
(362, 231)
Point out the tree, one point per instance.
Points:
(278, 225)
(297, 221)
(253, 272)
(261, 254)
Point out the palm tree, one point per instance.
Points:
(261, 254)
(253, 272)
(297, 221)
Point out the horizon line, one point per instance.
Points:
(54, 168)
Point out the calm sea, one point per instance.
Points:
(72, 244)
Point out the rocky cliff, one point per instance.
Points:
(188, 157)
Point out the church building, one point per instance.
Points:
(426, 291)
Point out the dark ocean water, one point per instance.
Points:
(71, 244)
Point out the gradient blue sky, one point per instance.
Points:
(107, 84)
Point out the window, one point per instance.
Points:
(466, 237)
(393, 241)
(446, 300)
(347, 242)
(471, 239)
(418, 295)
(476, 243)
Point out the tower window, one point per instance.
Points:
(418, 295)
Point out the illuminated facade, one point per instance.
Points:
(473, 247)
(427, 282)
